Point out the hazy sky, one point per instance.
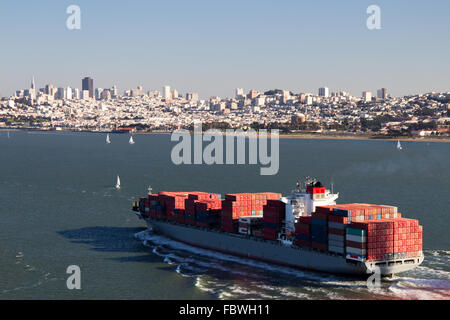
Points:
(212, 47)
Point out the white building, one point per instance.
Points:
(308, 100)
(367, 96)
(69, 93)
(85, 95)
(166, 92)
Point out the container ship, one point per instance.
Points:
(305, 230)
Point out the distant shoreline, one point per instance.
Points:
(306, 136)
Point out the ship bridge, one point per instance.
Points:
(303, 201)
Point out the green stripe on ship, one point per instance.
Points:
(357, 232)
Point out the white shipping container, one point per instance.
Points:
(336, 237)
(335, 243)
(336, 249)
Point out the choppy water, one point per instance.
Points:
(59, 208)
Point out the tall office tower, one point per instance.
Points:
(88, 84)
(32, 83)
(382, 93)
(367, 96)
(113, 92)
(324, 92)
(239, 93)
(76, 94)
(175, 94)
(49, 89)
(166, 92)
(98, 93)
(69, 93)
(61, 93)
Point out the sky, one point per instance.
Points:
(212, 47)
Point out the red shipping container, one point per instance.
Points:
(338, 232)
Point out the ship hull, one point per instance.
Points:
(275, 252)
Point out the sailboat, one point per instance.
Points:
(107, 139)
(399, 145)
(131, 140)
(8, 134)
(118, 183)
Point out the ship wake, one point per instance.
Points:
(229, 277)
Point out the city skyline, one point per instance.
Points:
(213, 48)
(87, 84)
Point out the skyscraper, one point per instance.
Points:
(69, 93)
(324, 92)
(49, 89)
(166, 92)
(88, 84)
(382, 93)
(32, 83)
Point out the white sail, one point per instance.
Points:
(118, 183)
(131, 140)
(107, 139)
(399, 145)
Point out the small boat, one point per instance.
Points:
(8, 134)
(131, 140)
(118, 183)
(399, 145)
(108, 140)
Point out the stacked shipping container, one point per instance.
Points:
(274, 213)
(208, 213)
(361, 231)
(319, 231)
(358, 231)
(389, 239)
(303, 232)
(242, 205)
